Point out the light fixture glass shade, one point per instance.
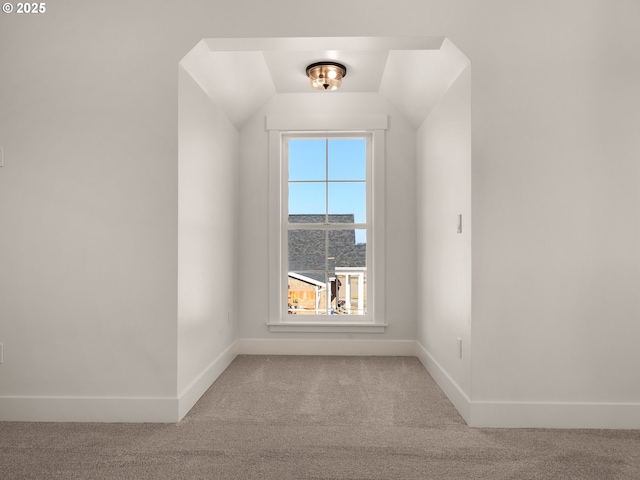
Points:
(326, 75)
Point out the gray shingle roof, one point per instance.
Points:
(307, 247)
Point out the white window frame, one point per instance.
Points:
(279, 319)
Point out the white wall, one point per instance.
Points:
(444, 255)
(88, 194)
(88, 212)
(556, 201)
(400, 213)
(207, 238)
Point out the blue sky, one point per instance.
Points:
(342, 178)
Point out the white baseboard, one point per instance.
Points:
(88, 409)
(500, 414)
(170, 410)
(617, 416)
(114, 409)
(190, 395)
(251, 346)
(451, 389)
(490, 414)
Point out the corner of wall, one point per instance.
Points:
(451, 389)
(192, 393)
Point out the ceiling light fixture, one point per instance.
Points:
(326, 75)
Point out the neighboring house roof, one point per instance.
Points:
(306, 279)
(307, 247)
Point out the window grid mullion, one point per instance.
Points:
(322, 226)
(326, 180)
(332, 181)
(326, 221)
(326, 271)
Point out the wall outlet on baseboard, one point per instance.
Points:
(459, 347)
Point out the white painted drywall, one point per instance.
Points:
(444, 255)
(400, 213)
(556, 205)
(207, 231)
(88, 209)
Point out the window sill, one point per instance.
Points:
(327, 327)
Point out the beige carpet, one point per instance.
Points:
(277, 417)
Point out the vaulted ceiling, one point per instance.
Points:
(242, 74)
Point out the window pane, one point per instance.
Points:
(307, 159)
(348, 198)
(307, 250)
(347, 159)
(351, 297)
(348, 249)
(307, 293)
(307, 198)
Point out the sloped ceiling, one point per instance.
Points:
(241, 75)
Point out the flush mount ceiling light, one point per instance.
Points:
(326, 75)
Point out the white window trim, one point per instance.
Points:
(278, 126)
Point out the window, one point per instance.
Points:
(326, 235)
(325, 223)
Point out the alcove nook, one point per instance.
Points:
(227, 88)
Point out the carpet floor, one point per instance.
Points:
(305, 417)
